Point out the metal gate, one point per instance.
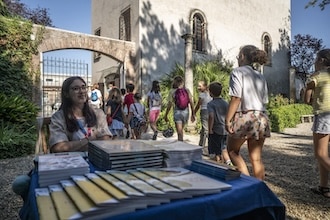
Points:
(54, 72)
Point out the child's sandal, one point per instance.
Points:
(320, 190)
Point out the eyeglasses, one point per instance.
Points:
(77, 89)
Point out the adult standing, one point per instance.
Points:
(318, 94)
(76, 123)
(154, 102)
(95, 96)
(181, 98)
(246, 119)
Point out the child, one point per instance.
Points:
(181, 98)
(154, 105)
(217, 109)
(115, 110)
(128, 100)
(136, 117)
(203, 98)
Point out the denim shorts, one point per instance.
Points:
(321, 124)
(181, 116)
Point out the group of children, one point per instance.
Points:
(128, 113)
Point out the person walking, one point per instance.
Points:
(318, 95)
(154, 102)
(217, 134)
(116, 113)
(136, 117)
(181, 98)
(203, 98)
(95, 96)
(246, 119)
(128, 100)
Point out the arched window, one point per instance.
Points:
(267, 47)
(198, 32)
(125, 25)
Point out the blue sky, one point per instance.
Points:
(75, 15)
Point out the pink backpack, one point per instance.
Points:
(181, 98)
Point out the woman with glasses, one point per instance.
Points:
(76, 123)
(246, 119)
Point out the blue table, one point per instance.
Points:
(249, 198)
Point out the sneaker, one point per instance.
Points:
(154, 137)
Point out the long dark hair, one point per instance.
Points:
(66, 107)
(155, 86)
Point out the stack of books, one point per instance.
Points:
(214, 169)
(180, 154)
(104, 194)
(124, 154)
(60, 166)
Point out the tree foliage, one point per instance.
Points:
(321, 3)
(303, 52)
(16, 8)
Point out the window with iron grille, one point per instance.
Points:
(267, 47)
(97, 55)
(125, 25)
(198, 33)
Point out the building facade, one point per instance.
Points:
(218, 29)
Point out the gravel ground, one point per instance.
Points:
(290, 172)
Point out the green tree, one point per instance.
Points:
(321, 3)
(303, 52)
(16, 8)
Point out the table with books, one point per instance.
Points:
(132, 185)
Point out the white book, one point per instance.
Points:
(187, 181)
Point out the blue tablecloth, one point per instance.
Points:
(249, 198)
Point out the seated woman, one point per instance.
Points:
(76, 122)
(72, 126)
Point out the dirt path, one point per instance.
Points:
(290, 172)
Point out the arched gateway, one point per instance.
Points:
(57, 39)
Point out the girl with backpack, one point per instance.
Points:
(181, 98)
(136, 117)
(154, 101)
(115, 113)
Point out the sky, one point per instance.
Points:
(75, 15)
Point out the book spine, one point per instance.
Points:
(46, 208)
(95, 193)
(64, 206)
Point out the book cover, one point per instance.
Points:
(106, 186)
(46, 208)
(80, 199)
(124, 187)
(187, 181)
(64, 206)
(54, 162)
(95, 193)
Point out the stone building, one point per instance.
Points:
(218, 29)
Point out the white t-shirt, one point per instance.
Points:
(206, 98)
(155, 100)
(251, 86)
(139, 108)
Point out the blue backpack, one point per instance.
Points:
(181, 98)
(94, 96)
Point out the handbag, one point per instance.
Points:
(109, 117)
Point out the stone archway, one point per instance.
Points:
(57, 39)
